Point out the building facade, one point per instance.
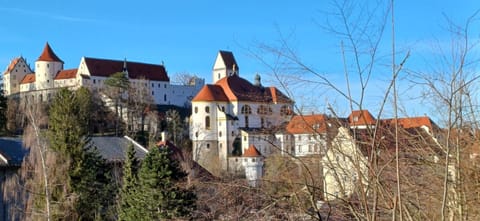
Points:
(231, 114)
(50, 75)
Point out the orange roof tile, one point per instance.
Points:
(361, 117)
(239, 89)
(251, 152)
(48, 54)
(211, 93)
(307, 124)
(136, 70)
(66, 74)
(412, 122)
(12, 65)
(229, 60)
(29, 78)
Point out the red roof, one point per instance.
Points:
(105, 68)
(361, 117)
(66, 74)
(48, 54)
(307, 124)
(251, 152)
(29, 78)
(229, 59)
(211, 93)
(12, 65)
(412, 122)
(239, 89)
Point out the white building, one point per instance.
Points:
(232, 114)
(50, 75)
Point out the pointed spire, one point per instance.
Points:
(125, 70)
(251, 152)
(48, 54)
(258, 81)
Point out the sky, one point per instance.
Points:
(186, 35)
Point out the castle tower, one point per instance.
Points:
(225, 65)
(253, 163)
(46, 68)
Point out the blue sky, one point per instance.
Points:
(186, 35)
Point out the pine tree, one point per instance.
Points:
(88, 175)
(128, 205)
(160, 196)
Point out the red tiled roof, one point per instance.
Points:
(66, 74)
(412, 122)
(251, 152)
(105, 68)
(48, 54)
(12, 65)
(229, 59)
(29, 78)
(211, 93)
(307, 124)
(361, 117)
(239, 89)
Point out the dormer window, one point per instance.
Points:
(355, 119)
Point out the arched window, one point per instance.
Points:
(196, 109)
(264, 110)
(207, 122)
(246, 109)
(285, 110)
(207, 109)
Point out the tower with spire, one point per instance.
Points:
(46, 68)
(225, 65)
(253, 163)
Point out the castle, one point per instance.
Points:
(50, 75)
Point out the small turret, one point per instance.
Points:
(258, 81)
(253, 163)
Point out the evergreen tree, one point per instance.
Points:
(117, 84)
(128, 205)
(160, 195)
(88, 175)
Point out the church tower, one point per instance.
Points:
(253, 163)
(46, 68)
(225, 65)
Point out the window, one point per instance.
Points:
(246, 109)
(153, 93)
(158, 85)
(207, 109)
(165, 86)
(208, 146)
(207, 122)
(263, 110)
(223, 108)
(48, 65)
(220, 134)
(355, 119)
(164, 97)
(153, 85)
(262, 122)
(233, 134)
(196, 134)
(218, 76)
(195, 109)
(285, 110)
(246, 121)
(94, 81)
